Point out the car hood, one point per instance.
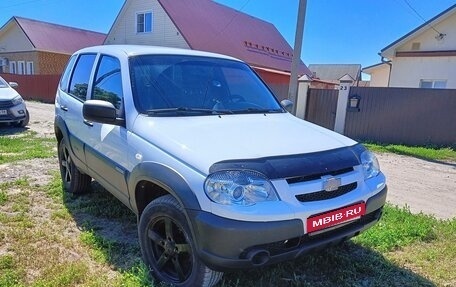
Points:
(8, 93)
(204, 140)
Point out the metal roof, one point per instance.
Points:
(334, 72)
(210, 26)
(57, 38)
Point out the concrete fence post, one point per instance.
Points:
(301, 102)
(342, 101)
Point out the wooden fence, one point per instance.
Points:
(35, 87)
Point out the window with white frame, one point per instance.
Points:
(21, 67)
(433, 84)
(30, 68)
(144, 22)
(12, 67)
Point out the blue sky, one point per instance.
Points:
(336, 31)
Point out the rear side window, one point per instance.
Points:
(81, 75)
(66, 75)
(108, 82)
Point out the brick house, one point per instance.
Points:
(31, 47)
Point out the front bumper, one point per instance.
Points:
(12, 113)
(226, 244)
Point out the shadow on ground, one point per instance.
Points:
(114, 227)
(9, 130)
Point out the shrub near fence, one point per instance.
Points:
(35, 87)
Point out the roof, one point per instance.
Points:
(432, 22)
(369, 69)
(134, 50)
(210, 26)
(335, 72)
(57, 38)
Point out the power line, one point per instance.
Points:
(419, 15)
(232, 19)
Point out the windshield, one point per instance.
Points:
(170, 85)
(3, 83)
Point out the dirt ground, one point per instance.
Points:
(423, 186)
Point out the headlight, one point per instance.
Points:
(370, 164)
(239, 187)
(17, 100)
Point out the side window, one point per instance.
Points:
(108, 82)
(66, 75)
(81, 75)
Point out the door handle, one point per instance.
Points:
(64, 108)
(88, 123)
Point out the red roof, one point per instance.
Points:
(57, 38)
(210, 26)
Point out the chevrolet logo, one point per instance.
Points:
(331, 183)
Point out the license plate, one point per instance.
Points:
(3, 112)
(335, 217)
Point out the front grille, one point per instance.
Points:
(318, 176)
(323, 194)
(6, 104)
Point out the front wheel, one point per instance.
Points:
(168, 248)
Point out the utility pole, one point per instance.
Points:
(293, 89)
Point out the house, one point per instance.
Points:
(330, 74)
(33, 47)
(380, 74)
(209, 26)
(423, 58)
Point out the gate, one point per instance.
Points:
(321, 107)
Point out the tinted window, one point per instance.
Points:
(66, 74)
(80, 80)
(190, 82)
(108, 82)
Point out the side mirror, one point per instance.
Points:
(13, 84)
(101, 112)
(287, 105)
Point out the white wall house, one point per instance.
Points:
(379, 74)
(208, 26)
(424, 58)
(145, 22)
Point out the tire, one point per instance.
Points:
(73, 180)
(168, 248)
(24, 122)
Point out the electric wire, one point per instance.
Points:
(419, 15)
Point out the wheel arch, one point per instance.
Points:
(150, 180)
(60, 129)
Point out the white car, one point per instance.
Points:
(220, 175)
(12, 106)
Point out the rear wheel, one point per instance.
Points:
(168, 248)
(73, 180)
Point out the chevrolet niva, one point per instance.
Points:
(220, 175)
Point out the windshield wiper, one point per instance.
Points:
(187, 111)
(257, 111)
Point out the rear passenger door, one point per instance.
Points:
(71, 105)
(106, 149)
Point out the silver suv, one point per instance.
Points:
(12, 106)
(220, 175)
